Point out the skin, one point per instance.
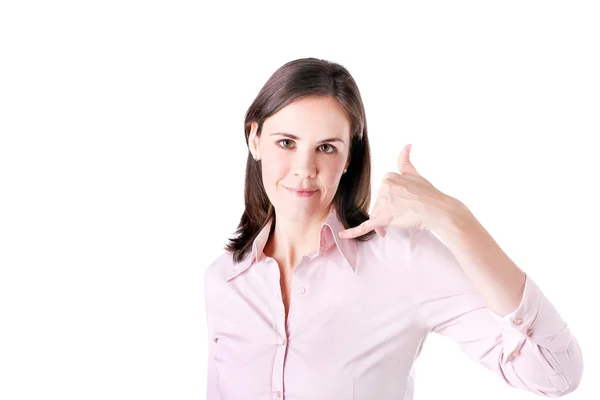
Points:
(304, 162)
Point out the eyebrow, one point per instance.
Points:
(294, 137)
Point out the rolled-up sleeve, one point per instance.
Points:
(531, 348)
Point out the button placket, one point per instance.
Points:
(278, 365)
(529, 332)
(514, 355)
(280, 341)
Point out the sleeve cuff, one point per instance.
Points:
(535, 319)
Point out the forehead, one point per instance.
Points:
(313, 117)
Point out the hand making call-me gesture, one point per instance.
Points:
(405, 199)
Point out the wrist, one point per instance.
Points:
(454, 214)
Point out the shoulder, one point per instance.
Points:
(392, 249)
(397, 238)
(414, 244)
(409, 239)
(218, 269)
(424, 240)
(400, 235)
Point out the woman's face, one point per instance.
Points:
(305, 145)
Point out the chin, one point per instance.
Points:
(295, 213)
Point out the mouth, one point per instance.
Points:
(302, 192)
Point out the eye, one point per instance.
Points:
(284, 140)
(333, 149)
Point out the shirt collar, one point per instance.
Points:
(329, 237)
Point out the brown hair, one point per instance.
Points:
(307, 77)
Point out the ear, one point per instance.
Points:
(253, 140)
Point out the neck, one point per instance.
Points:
(292, 240)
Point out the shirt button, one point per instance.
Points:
(529, 332)
(283, 342)
(302, 290)
(278, 394)
(518, 321)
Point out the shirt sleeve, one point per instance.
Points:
(531, 348)
(212, 384)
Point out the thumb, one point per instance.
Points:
(404, 165)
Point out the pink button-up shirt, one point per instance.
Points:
(359, 315)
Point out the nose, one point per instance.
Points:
(304, 165)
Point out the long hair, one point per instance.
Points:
(307, 77)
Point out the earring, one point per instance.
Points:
(345, 170)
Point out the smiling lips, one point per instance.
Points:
(302, 192)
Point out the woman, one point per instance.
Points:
(298, 310)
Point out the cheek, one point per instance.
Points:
(277, 167)
(330, 173)
(329, 179)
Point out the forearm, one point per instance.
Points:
(498, 280)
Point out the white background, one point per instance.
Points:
(122, 160)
